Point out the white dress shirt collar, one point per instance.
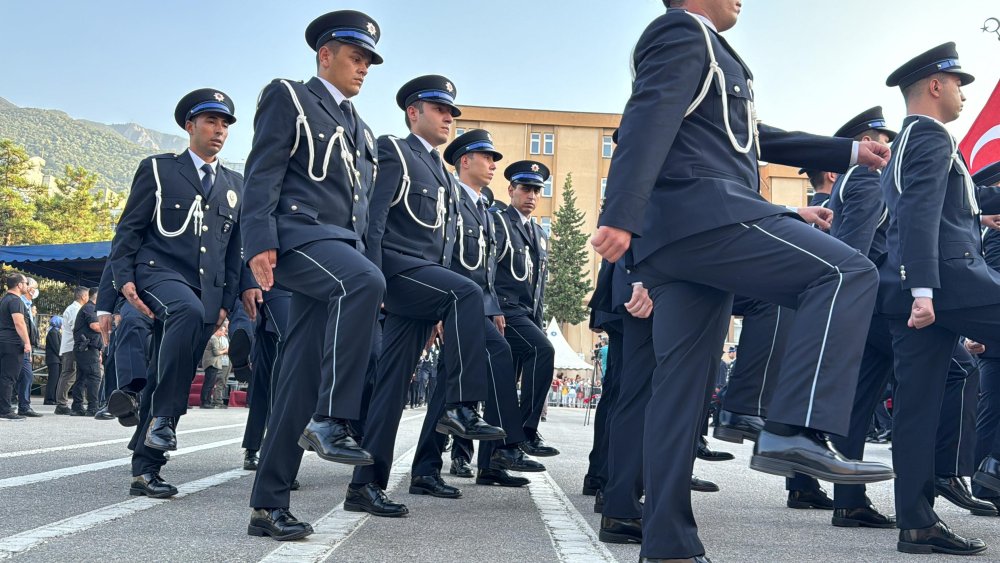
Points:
(337, 95)
(199, 162)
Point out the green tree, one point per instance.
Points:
(17, 198)
(568, 282)
(79, 211)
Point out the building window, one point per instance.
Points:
(536, 143)
(604, 186)
(547, 189)
(549, 147)
(546, 223)
(606, 146)
(459, 131)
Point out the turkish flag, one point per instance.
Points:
(981, 145)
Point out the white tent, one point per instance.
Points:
(566, 358)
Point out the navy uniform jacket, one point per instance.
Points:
(208, 260)
(286, 208)
(108, 299)
(467, 252)
(991, 252)
(860, 218)
(605, 311)
(518, 249)
(820, 199)
(397, 241)
(674, 176)
(934, 239)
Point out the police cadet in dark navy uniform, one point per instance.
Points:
(176, 257)
(934, 284)
(269, 334)
(474, 158)
(412, 235)
(522, 269)
(309, 174)
(692, 96)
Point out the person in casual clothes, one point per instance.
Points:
(14, 341)
(67, 378)
(87, 347)
(215, 361)
(53, 360)
(27, 375)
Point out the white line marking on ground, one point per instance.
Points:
(19, 543)
(78, 469)
(108, 442)
(571, 535)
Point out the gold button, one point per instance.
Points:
(203, 250)
(295, 208)
(736, 89)
(425, 190)
(967, 254)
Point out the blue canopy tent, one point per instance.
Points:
(78, 263)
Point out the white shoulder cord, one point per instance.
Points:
(509, 247)
(461, 246)
(353, 176)
(847, 176)
(956, 161)
(194, 211)
(404, 188)
(715, 71)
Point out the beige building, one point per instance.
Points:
(579, 143)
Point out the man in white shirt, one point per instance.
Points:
(68, 376)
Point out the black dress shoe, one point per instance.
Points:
(695, 559)
(599, 502)
(103, 414)
(129, 420)
(160, 434)
(620, 530)
(77, 412)
(90, 412)
(123, 404)
(591, 485)
(434, 486)
(703, 486)
(938, 539)
(512, 459)
(62, 409)
(47, 402)
(954, 489)
(463, 420)
(151, 485)
(537, 447)
(988, 474)
(277, 523)
(735, 427)
(862, 517)
(813, 498)
(295, 485)
(250, 460)
(706, 454)
(460, 468)
(499, 477)
(812, 454)
(209, 406)
(331, 440)
(29, 413)
(371, 499)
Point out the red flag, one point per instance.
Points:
(981, 145)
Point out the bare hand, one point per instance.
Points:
(222, 318)
(921, 313)
(128, 290)
(27, 348)
(262, 266)
(251, 298)
(611, 242)
(816, 215)
(500, 322)
(105, 322)
(640, 306)
(974, 347)
(991, 221)
(873, 155)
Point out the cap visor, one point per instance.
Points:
(376, 58)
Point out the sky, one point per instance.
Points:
(816, 63)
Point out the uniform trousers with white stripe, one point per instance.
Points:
(988, 416)
(336, 293)
(180, 335)
(415, 301)
(501, 410)
(131, 353)
(779, 259)
(535, 355)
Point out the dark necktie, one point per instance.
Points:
(208, 179)
(482, 212)
(437, 160)
(345, 106)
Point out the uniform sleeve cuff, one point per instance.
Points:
(854, 152)
(922, 292)
(102, 313)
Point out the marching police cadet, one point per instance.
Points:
(934, 284)
(412, 235)
(176, 258)
(309, 173)
(688, 79)
(521, 272)
(822, 183)
(474, 158)
(269, 331)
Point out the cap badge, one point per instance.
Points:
(371, 29)
(534, 168)
(449, 87)
(219, 97)
(231, 198)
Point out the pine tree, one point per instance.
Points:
(568, 282)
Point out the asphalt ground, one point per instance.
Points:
(64, 490)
